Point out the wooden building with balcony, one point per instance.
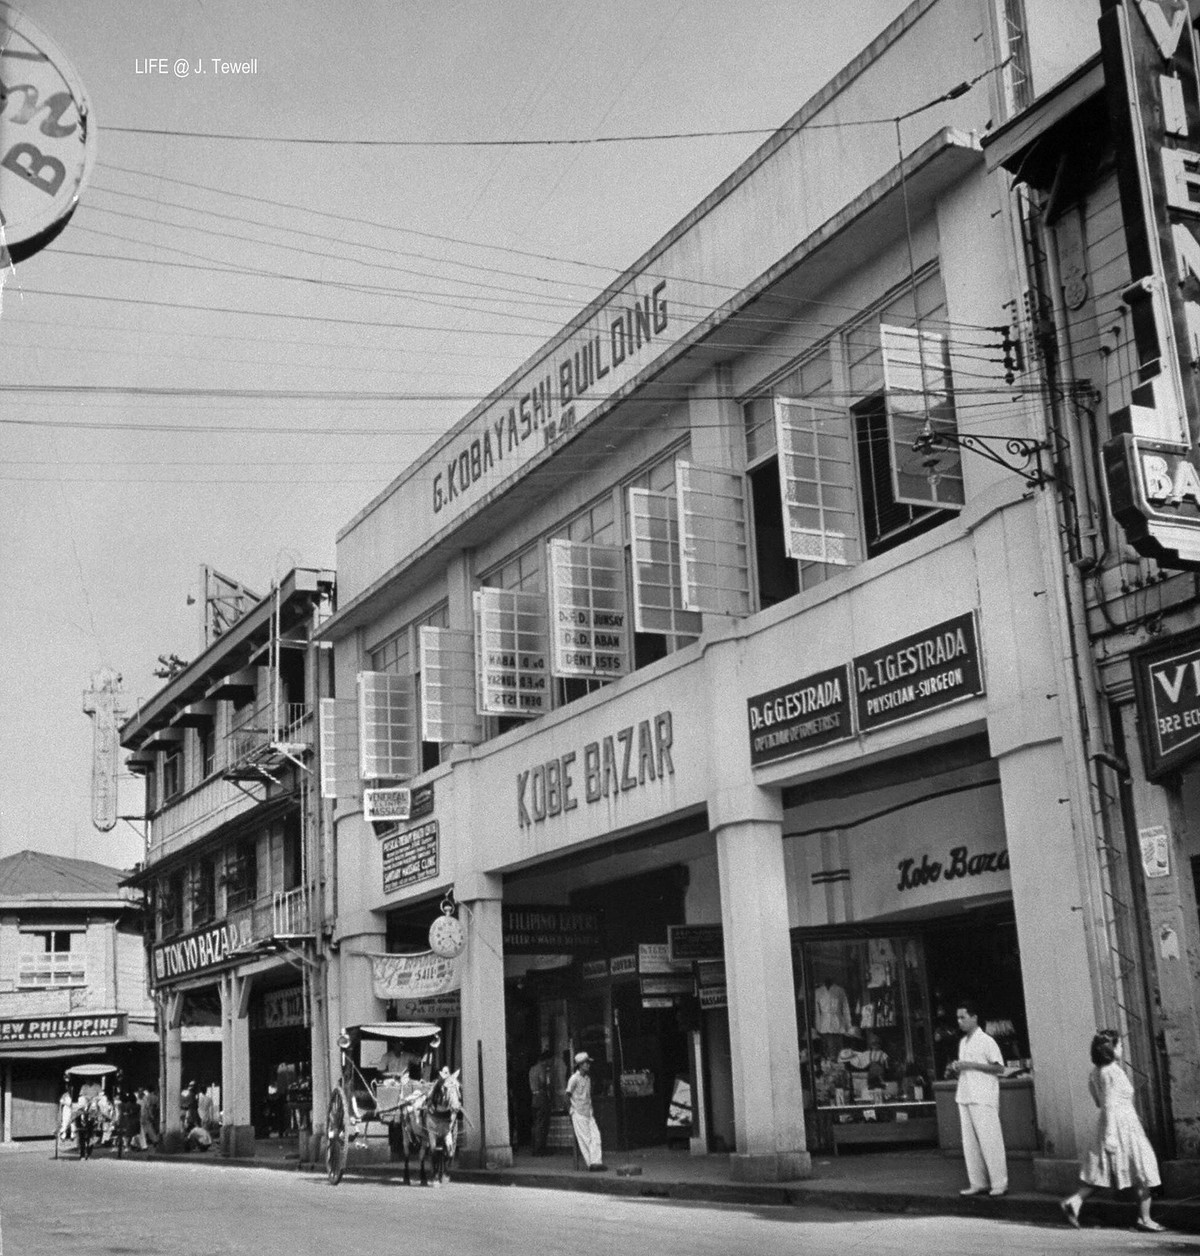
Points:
(72, 984)
(234, 875)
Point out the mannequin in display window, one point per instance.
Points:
(831, 1015)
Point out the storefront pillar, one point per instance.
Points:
(1173, 927)
(237, 1130)
(6, 1100)
(172, 1081)
(1060, 1003)
(767, 1092)
(485, 1138)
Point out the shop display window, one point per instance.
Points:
(866, 1046)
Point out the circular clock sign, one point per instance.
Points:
(47, 136)
(446, 937)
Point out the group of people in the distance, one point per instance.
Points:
(1120, 1156)
(131, 1115)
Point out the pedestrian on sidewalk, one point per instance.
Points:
(148, 1111)
(978, 1070)
(1120, 1155)
(539, 1092)
(587, 1132)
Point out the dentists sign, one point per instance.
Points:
(1153, 466)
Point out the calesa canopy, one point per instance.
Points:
(389, 1030)
(91, 1070)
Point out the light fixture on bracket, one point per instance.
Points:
(1020, 454)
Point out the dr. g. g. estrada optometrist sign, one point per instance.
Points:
(544, 405)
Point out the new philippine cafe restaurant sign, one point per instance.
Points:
(61, 1028)
(909, 677)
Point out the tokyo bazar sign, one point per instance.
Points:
(207, 948)
(47, 136)
(1151, 66)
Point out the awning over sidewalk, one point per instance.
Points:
(53, 1053)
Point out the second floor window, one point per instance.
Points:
(172, 775)
(204, 892)
(241, 875)
(51, 957)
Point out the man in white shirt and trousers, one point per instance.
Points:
(978, 1069)
(587, 1132)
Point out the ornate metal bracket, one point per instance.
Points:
(1014, 453)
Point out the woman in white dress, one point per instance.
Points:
(1120, 1155)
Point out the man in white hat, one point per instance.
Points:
(587, 1132)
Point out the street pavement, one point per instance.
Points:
(110, 1207)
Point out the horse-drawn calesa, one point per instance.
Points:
(87, 1110)
(409, 1093)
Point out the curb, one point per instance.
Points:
(1179, 1216)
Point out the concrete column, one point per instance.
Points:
(237, 1134)
(1048, 900)
(7, 1101)
(172, 1080)
(485, 1139)
(767, 1093)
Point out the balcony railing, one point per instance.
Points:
(290, 913)
(256, 731)
(61, 969)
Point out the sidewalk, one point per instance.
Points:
(892, 1182)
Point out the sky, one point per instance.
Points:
(318, 312)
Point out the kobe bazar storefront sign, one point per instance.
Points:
(1152, 464)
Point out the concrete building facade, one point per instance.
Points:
(722, 668)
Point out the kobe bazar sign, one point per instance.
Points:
(1152, 463)
(47, 136)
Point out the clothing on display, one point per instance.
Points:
(832, 1010)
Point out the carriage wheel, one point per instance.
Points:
(337, 1137)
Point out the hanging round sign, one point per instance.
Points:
(446, 936)
(47, 137)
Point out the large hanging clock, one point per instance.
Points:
(447, 937)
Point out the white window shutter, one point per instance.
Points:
(657, 583)
(714, 547)
(387, 726)
(918, 387)
(589, 617)
(447, 665)
(817, 483)
(511, 653)
(338, 733)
